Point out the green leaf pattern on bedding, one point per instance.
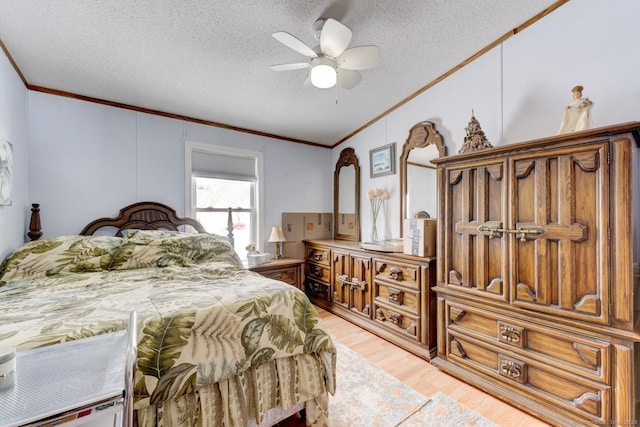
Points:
(50, 256)
(161, 343)
(202, 316)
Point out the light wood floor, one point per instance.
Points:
(419, 375)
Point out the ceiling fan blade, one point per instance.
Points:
(348, 78)
(334, 38)
(359, 58)
(294, 43)
(288, 67)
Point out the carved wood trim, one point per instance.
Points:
(143, 215)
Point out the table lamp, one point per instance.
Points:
(277, 237)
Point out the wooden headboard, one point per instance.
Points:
(147, 216)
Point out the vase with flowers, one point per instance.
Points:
(377, 196)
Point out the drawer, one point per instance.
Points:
(395, 272)
(579, 354)
(288, 275)
(407, 299)
(536, 380)
(321, 256)
(398, 321)
(319, 273)
(317, 289)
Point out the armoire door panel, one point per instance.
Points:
(563, 269)
(475, 261)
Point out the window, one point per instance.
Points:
(220, 179)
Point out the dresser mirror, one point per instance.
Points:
(346, 197)
(418, 176)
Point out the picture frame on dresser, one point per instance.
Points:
(382, 160)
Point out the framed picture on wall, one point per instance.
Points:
(6, 171)
(382, 160)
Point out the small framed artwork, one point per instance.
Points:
(6, 171)
(382, 160)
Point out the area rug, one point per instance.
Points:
(367, 396)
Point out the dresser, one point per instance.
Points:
(388, 294)
(537, 286)
(288, 270)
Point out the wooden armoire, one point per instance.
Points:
(538, 282)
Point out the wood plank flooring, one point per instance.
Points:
(419, 375)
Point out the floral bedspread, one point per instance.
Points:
(202, 316)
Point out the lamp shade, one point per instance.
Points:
(276, 235)
(323, 73)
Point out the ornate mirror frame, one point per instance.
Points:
(420, 135)
(347, 158)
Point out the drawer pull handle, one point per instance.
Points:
(510, 334)
(395, 296)
(509, 369)
(317, 271)
(395, 318)
(317, 257)
(512, 369)
(315, 289)
(395, 274)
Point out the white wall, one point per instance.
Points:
(14, 219)
(89, 160)
(518, 90)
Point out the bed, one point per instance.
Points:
(217, 344)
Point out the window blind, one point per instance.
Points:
(216, 165)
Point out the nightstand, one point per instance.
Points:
(288, 270)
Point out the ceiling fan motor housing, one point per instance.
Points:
(317, 28)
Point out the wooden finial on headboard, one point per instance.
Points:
(34, 225)
(230, 227)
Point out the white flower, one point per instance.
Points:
(377, 196)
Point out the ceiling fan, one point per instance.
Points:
(330, 63)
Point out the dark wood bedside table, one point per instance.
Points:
(288, 270)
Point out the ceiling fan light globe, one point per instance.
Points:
(323, 74)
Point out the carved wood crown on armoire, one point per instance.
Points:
(538, 282)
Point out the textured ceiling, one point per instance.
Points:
(209, 60)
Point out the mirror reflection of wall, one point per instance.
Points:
(347, 201)
(346, 197)
(421, 181)
(418, 175)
